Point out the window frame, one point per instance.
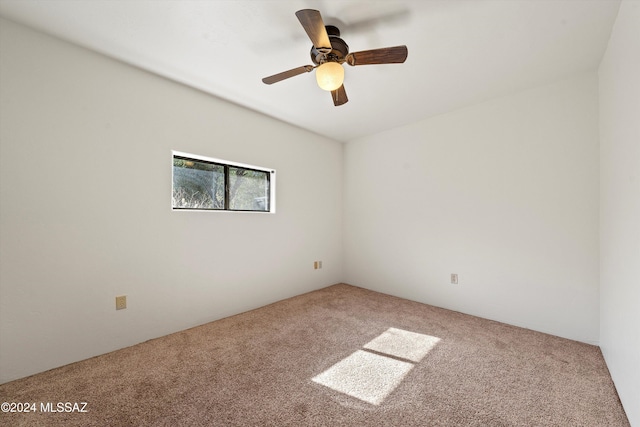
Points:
(226, 164)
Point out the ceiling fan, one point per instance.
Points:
(329, 52)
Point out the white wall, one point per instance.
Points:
(505, 194)
(620, 207)
(85, 207)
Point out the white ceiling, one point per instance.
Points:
(460, 51)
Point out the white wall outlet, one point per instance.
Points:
(454, 278)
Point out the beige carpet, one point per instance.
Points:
(340, 356)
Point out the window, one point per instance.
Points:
(201, 183)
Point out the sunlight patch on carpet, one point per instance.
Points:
(371, 377)
(407, 345)
(366, 376)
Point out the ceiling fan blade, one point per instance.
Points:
(385, 55)
(339, 96)
(286, 74)
(311, 21)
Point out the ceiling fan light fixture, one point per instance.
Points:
(330, 76)
(329, 52)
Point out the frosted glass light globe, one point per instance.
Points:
(330, 76)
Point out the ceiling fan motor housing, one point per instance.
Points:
(339, 49)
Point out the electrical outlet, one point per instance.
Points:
(315, 265)
(121, 302)
(319, 264)
(454, 278)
